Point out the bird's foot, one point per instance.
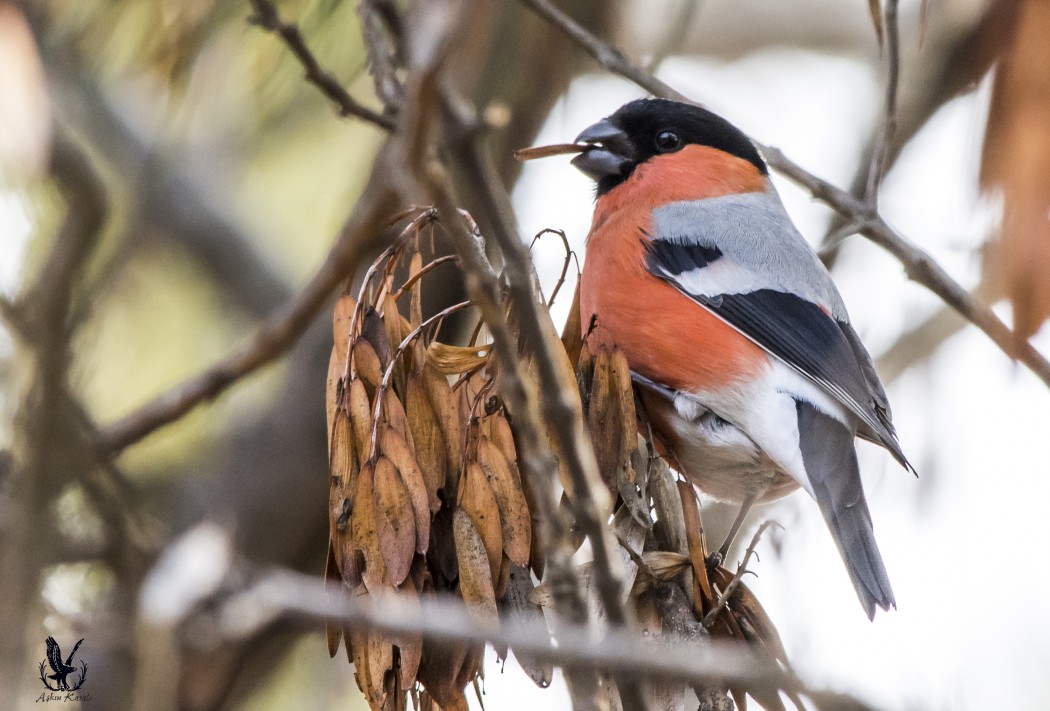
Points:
(713, 561)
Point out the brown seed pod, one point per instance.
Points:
(515, 522)
(475, 577)
(331, 390)
(360, 412)
(410, 646)
(443, 402)
(363, 533)
(454, 360)
(503, 437)
(428, 438)
(479, 502)
(342, 317)
(367, 366)
(393, 447)
(393, 414)
(332, 579)
(394, 521)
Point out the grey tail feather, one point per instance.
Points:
(831, 464)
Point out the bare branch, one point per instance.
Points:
(266, 16)
(373, 14)
(281, 593)
(888, 124)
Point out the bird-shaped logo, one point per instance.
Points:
(739, 344)
(60, 679)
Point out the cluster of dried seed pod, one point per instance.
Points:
(427, 496)
(425, 493)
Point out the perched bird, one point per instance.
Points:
(753, 379)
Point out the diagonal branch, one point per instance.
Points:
(918, 264)
(266, 16)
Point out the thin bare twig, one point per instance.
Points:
(380, 56)
(741, 569)
(919, 265)
(888, 122)
(275, 336)
(267, 17)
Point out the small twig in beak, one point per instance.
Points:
(557, 149)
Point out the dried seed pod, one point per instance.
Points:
(367, 366)
(438, 671)
(333, 629)
(373, 332)
(694, 533)
(622, 390)
(373, 657)
(453, 360)
(363, 533)
(503, 437)
(394, 448)
(428, 438)
(439, 392)
(500, 584)
(360, 411)
(410, 646)
(479, 502)
(343, 464)
(666, 565)
(571, 334)
(393, 413)
(515, 522)
(392, 324)
(342, 317)
(380, 664)
(331, 390)
(475, 578)
(517, 609)
(343, 475)
(602, 422)
(394, 521)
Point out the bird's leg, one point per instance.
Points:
(715, 559)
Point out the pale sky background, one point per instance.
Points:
(966, 544)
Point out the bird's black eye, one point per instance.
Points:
(667, 141)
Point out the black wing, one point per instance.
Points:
(798, 333)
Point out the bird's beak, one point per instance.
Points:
(609, 151)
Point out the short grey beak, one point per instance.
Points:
(609, 152)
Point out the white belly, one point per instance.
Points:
(724, 463)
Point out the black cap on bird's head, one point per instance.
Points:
(645, 128)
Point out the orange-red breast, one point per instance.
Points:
(739, 343)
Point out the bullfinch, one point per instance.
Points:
(739, 344)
